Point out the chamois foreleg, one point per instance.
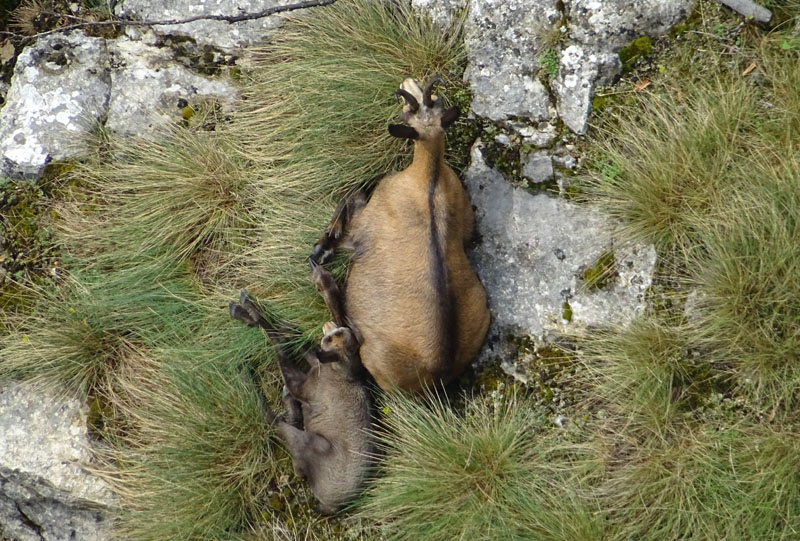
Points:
(327, 287)
(334, 233)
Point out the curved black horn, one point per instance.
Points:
(426, 94)
(411, 101)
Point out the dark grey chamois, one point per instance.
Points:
(327, 426)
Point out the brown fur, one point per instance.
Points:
(328, 421)
(418, 325)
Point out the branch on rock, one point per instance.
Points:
(748, 8)
(225, 18)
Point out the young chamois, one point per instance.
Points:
(418, 308)
(328, 420)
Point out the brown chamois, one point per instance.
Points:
(327, 426)
(418, 307)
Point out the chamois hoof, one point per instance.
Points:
(321, 253)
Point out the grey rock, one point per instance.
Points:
(598, 29)
(540, 135)
(565, 161)
(442, 12)
(608, 25)
(219, 34)
(532, 255)
(59, 91)
(147, 84)
(45, 491)
(574, 87)
(537, 167)
(503, 41)
(65, 85)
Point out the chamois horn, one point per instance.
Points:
(426, 94)
(411, 101)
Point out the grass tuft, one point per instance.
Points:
(749, 313)
(668, 161)
(736, 482)
(489, 473)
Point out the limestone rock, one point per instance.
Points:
(608, 25)
(219, 34)
(574, 86)
(597, 30)
(67, 84)
(45, 492)
(442, 12)
(59, 90)
(537, 167)
(503, 41)
(533, 253)
(147, 86)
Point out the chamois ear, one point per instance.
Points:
(449, 116)
(328, 356)
(402, 131)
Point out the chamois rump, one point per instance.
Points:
(415, 304)
(327, 426)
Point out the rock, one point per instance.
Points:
(442, 12)
(147, 86)
(59, 90)
(219, 34)
(66, 84)
(598, 29)
(533, 253)
(45, 492)
(608, 25)
(574, 87)
(541, 135)
(504, 39)
(537, 167)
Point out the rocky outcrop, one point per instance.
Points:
(148, 87)
(59, 91)
(537, 259)
(217, 34)
(507, 41)
(46, 494)
(65, 85)
(504, 40)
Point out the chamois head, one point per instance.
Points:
(422, 112)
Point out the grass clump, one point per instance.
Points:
(749, 314)
(71, 337)
(194, 458)
(489, 473)
(737, 482)
(668, 161)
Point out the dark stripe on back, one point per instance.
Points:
(443, 300)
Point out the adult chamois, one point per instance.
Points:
(411, 296)
(327, 426)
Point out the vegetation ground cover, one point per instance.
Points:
(687, 423)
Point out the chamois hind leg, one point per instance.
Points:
(305, 448)
(343, 215)
(247, 312)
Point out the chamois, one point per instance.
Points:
(328, 420)
(418, 307)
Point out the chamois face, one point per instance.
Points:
(423, 112)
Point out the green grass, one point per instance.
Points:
(493, 471)
(749, 314)
(682, 425)
(155, 236)
(713, 482)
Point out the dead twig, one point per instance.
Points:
(166, 22)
